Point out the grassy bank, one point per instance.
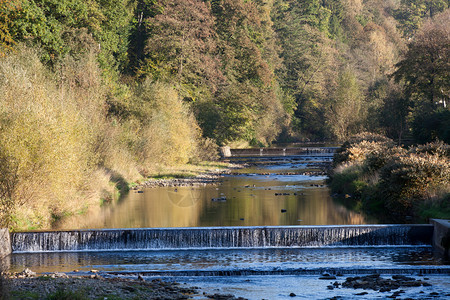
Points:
(393, 183)
(62, 150)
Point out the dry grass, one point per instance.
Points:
(59, 147)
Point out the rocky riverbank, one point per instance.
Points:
(27, 285)
(202, 179)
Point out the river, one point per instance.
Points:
(269, 191)
(272, 191)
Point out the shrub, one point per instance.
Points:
(388, 178)
(357, 148)
(437, 147)
(411, 179)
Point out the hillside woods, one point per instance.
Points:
(97, 94)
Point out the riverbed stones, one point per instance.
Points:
(376, 282)
(101, 288)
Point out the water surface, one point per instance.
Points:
(269, 191)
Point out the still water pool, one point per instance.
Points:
(269, 191)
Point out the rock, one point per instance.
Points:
(361, 294)
(330, 287)
(292, 295)
(327, 276)
(28, 273)
(59, 275)
(375, 282)
(220, 199)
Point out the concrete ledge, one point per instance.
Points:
(441, 236)
(5, 243)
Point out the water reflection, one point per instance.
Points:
(252, 199)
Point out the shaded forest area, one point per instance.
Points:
(96, 94)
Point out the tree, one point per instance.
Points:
(309, 62)
(344, 111)
(182, 46)
(425, 69)
(411, 13)
(6, 39)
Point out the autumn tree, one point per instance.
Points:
(6, 8)
(309, 61)
(182, 46)
(425, 69)
(344, 112)
(411, 13)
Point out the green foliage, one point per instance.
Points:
(344, 116)
(428, 126)
(425, 67)
(6, 8)
(411, 13)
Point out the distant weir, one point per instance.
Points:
(258, 237)
(282, 151)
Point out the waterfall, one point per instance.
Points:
(221, 238)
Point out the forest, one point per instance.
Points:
(97, 94)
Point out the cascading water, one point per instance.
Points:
(222, 238)
(283, 151)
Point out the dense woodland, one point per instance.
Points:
(97, 93)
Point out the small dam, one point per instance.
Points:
(255, 262)
(278, 151)
(222, 238)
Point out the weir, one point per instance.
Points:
(280, 151)
(222, 238)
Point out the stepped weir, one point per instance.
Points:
(222, 238)
(288, 151)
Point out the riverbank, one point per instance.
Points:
(372, 175)
(28, 285)
(326, 286)
(188, 175)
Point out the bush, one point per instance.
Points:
(358, 147)
(62, 148)
(388, 178)
(44, 140)
(413, 179)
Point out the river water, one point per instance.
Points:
(269, 191)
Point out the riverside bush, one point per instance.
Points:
(44, 138)
(410, 180)
(386, 178)
(60, 146)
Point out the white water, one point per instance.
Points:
(222, 238)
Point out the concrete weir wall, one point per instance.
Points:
(441, 236)
(5, 243)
